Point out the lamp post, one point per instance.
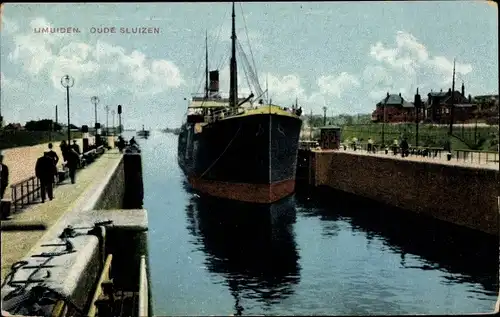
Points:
(107, 125)
(113, 115)
(95, 101)
(120, 119)
(67, 82)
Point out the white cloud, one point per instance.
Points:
(93, 65)
(406, 66)
(283, 89)
(335, 86)
(9, 83)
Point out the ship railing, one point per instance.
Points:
(223, 113)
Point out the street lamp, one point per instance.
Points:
(107, 126)
(67, 82)
(95, 101)
(113, 115)
(120, 118)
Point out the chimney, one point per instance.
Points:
(449, 91)
(441, 90)
(399, 94)
(463, 89)
(387, 94)
(470, 98)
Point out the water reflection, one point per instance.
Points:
(252, 246)
(466, 256)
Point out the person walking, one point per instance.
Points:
(404, 148)
(64, 150)
(76, 147)
(73, 160)
(4, 176)
(53, 155)
(370, 145)
(45, 171)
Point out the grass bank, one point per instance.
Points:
(482, 137)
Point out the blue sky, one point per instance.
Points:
(342, 55)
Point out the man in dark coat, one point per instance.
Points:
(75, 147)
(53, 155)
(404, 148)
(45, 170)
(64, 150)
(4, 176)
(73, 160)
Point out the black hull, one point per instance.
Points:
(251, 158)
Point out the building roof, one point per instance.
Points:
(395, 100)
(438, 94)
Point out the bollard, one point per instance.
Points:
(5, 205)
(134, 188)
(85, 141)
(448, 156)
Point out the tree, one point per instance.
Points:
(40, 125)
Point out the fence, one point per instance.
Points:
(429, 135)
(471, 156)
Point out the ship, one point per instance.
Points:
(143, 133)
(235, 148)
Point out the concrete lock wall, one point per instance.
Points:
(460, 195)
(125, 187)
(113, 193)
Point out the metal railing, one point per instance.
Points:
(223, 113)
(470, 156)
(307, 145)
(476, 156)
(25, 192)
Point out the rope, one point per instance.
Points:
(223, 152)
(244, 66)
(18, 290)
(249, 46)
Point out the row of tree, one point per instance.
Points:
(50, 125)
(45, 125)
(339, 120)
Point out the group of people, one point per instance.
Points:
(46, 167)
(121, 144)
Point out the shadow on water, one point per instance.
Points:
(469, 256)
(251, 246)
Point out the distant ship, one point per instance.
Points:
(231, 148)
(143, 133)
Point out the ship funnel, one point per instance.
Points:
(214, 81)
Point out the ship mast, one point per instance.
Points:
(206, 64)
(233, 76)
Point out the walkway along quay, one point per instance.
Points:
(67, 256)
(460, 192)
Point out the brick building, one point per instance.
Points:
(438, 106)
(396, 109)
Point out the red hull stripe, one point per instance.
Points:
(255, 193)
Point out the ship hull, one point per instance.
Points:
(251, 158)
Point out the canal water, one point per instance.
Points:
(311, 254)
